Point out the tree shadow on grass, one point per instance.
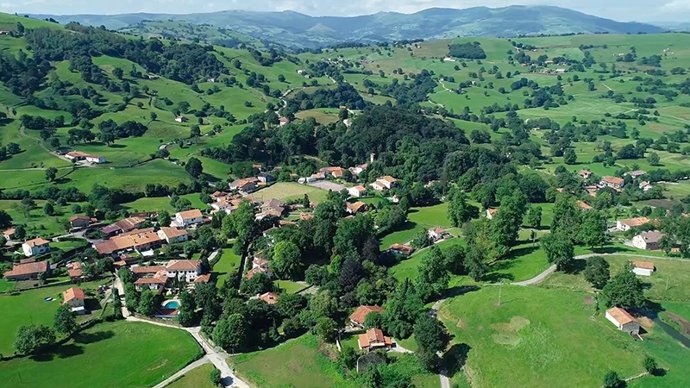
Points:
(497, 277)
(522, 252)
(577, 266)
(117, 146)
(455, 358)
(59, 351)
(89, 338)
(459, 290)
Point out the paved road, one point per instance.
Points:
(183, 371)
(537, 279)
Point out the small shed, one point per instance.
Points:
(643, 268)
(623, 320)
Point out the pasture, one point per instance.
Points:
(113, 354)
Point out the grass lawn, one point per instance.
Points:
(408, 268)
(29, 307)
(667, 283)
(290, 190)
(523, 343)
(118, 354)
(196, 378)
(419, 218)
(296, 363)
(228, 264)
(290, 287)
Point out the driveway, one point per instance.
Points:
(328, 185)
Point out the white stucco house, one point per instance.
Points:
(36, 247)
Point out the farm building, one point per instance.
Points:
(625, 225)
(643, 268)
(649, 241)
(27, 270)
(623, 320)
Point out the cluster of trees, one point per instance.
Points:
(182, 62)
(343, 95)
(469, 50)
(111, 131)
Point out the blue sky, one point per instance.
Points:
(623, 10)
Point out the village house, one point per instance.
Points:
(173, 235)
(592, 190)
(645, 186)
(374, 339)
(613, 182)
(78, 222)
(36, 247)
(74, 298)
(154, 283)
(265, 178)
(636, 173)
(189, 218)
(335, 172)
(401, 249)
(360, 314)
(358, 169)
(623, 320)
(650, 241)
(584, 174)
(137, 240)
(437, 234)
(27, 270)
(283, 121)
(75, 271)
(357, 191)
(245, 185)
(356, 208)
(387, 182)
(78, 156)
(226, 204)
(627, 224)
(643, 268)
(584, 205)
(181, 119)
(8, 233)
(269, 297)
(259, 265)
(184, 269)
(123, 226)
(491, 212)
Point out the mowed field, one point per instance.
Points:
(296, 363)
(119, 354)
(29, 307)
(290, 191)
(199, 377)
(521, 342)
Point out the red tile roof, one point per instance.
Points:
(24, 269)
(183, 265)
(620, 315)
(190, 214)
(269, 297)
(73, 293)
(361, 312)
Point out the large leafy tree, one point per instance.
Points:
(401, 310)
(286, 260)
(431, 337)
(566, 217)
(230, 333)
(592, 229)
(64, 321)
(31, 338)
(506, 223)
(597, 271)
(559, 250)
(624, 290)
(459, 211)
(433, 275)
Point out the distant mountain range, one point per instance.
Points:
(297, 30)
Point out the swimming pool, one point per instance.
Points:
(172, 305)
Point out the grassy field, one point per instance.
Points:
(30, 307)
(419, 218)
(296, 363)
(290, 190)
(668, 283)
(112, 354)
(290, 287)
(228, 264)
(521, 343)
(196, 378)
